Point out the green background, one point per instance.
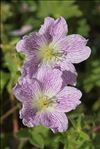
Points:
(19, 17)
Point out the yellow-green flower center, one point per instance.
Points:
(42, 103)
(48, 53)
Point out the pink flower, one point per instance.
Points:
(51, 46)
(46, 73)
(44, 101)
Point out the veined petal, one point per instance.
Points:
(56, 28)
(50, 79)
(68, 99)
(30, 67)
(22, 91)
(67, 65)
(26, 91)
(33, 59)
(28, 45)
(56, 121)
(74, 48)
(43, 69)
(69, 78)
(72, 43)
(81, 55)
(69, 74)
(46, 27)
(27, 114)
(59, 29)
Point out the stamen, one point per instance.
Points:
(47, 53)
(42, 103)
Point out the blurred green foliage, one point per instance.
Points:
(59, 8)
(83, 17)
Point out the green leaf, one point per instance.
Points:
(54, 142)
(83, 27)
(37, 141)
(96, 105)
(5, 11)
(23, 133)
(85, 145)
(38, 136)
(59, 8)
(94, 76)
(4, 79)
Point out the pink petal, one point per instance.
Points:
(56, 121)
(22, 91)
(56, 28)
(67, 65)
(46, 27)
(28, 45)
(69, 74)
(74, 47)
(26, 91)
(81, 55)
(72, 43)
(60, 28)
(68, 99)
(27, 115)
(69, 78)
(30, 67)
(50, 79)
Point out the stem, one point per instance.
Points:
(9, 112)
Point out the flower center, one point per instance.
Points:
(48, 53)
(42, 103)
